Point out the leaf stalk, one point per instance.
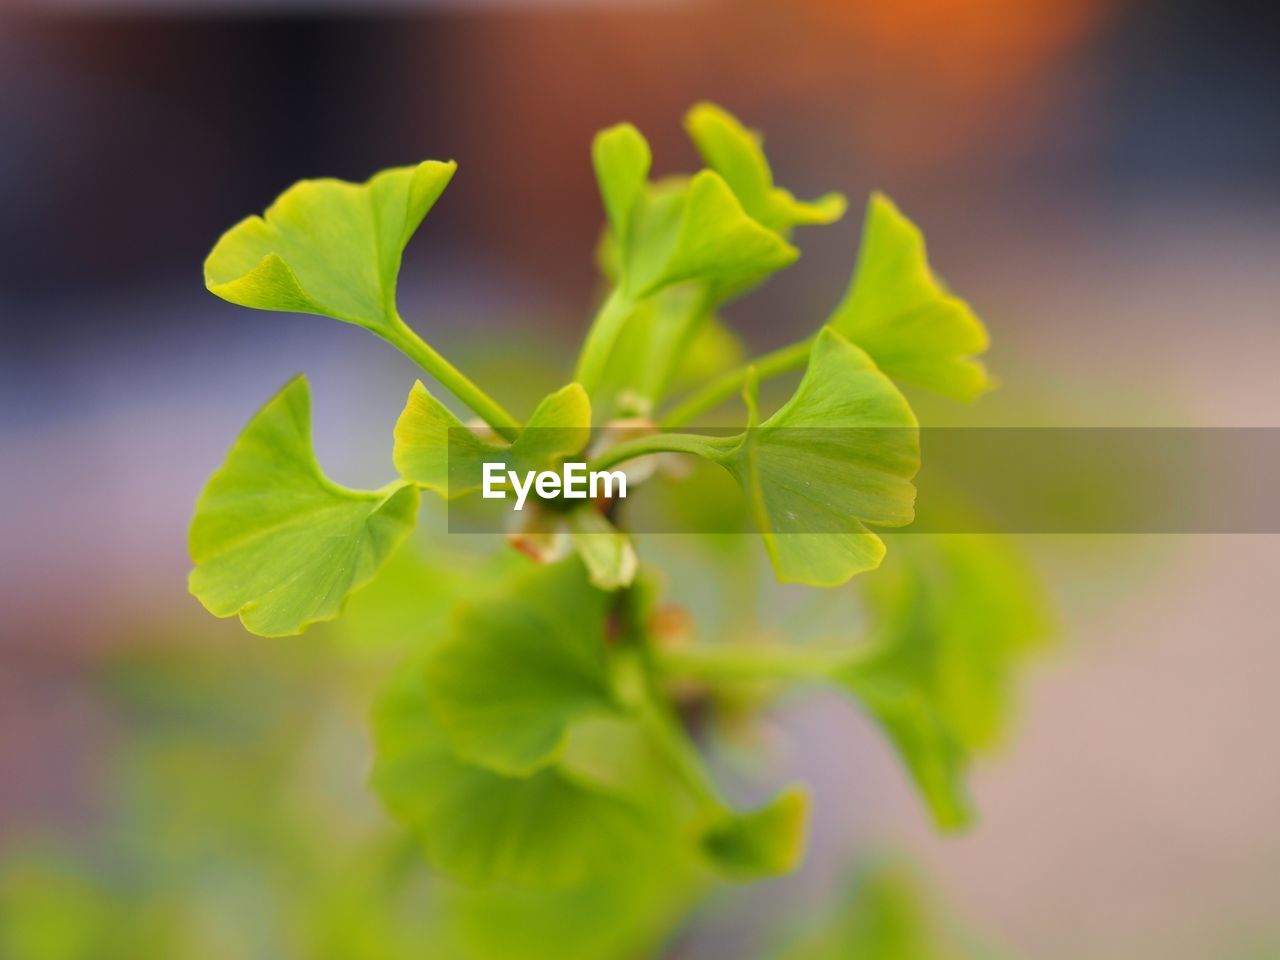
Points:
(728, 385)
(653, 443)
(454, 380)
(683, 756)
(601, 336)
(739, 662)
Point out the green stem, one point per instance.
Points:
(745, 663)
(683, 756)
(453, 380)
(653, 710)
(653, 443)
(671, 341)
(727, 385)
(601, 335)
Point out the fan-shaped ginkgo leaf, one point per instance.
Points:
(328, 246)
(481, 827)
(275, 540)
(736, 153)
(435, 450)
(520, 666)
(904, 317)
(838, 455)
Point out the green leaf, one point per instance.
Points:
(972, 605)
(909, 716)
(697, 230)
(841, 452)
(736, 153)
(607, 552)
(885, 914)
(678, 248)
(680, 229)
(408, 605)
(275, 540)
(50, 911)
(430, 440)
(481, 827)
(435, 450)
(328, 246)
(616, 753)
(520, 667)
(629, 912)
(760, 843)
(904, 317)
(629, 906)
(953, 617)
(622, 159)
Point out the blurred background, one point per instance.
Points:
(1100, 178)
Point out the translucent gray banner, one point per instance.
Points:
(971, 480)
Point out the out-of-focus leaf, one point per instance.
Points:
(736, 153)
(615, 753)
(329, 247)
(884, 915)
(682, 229)
(406, 608)
(909, 716)
(627, 912)
(629, 905)
(760, 843)
(48, 912)
(669, 342)
(904, 317)
(715, 234)
(622, 159)
(607, 552)
(481, 827)
(953, 617)
(436, 451)
(275, 540)
(520, 667)
(973, 602)
(697, 230)
(657, 338)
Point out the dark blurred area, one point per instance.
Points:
(1100, 178)
(132, 139)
